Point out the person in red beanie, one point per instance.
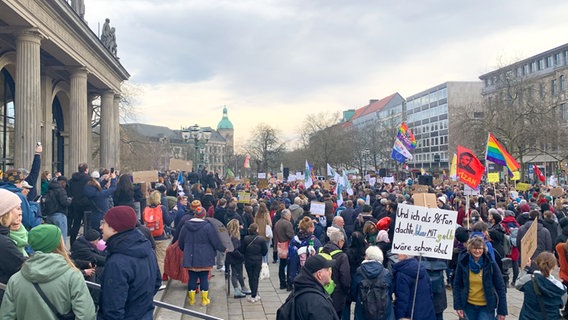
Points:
(131, 277)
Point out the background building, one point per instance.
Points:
(431, 115)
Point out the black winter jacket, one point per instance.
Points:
(55, 200)
(311, 305)
(253, 248)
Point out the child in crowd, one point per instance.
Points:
(235, 260)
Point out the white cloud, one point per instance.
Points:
(276, 61)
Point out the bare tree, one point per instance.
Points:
(264, 147)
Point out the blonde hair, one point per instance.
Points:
(62, 251)
(305, 224)
(476, 242)
(233, 228)
(546, 262)
(5, 219)
(155, 198)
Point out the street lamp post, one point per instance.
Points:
(200, 138)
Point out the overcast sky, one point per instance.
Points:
(277, 61)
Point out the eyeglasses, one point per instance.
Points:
(102, 222)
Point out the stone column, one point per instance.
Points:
(116, 131)
(78, 129)
(47, 124)
(107, 134)
(27, 96)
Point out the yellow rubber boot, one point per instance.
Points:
(191, 297)
(205, 298)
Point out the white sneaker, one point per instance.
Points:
(222, 269)
(251, 300)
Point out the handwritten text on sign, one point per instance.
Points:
(426, 231)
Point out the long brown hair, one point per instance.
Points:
(62, 251)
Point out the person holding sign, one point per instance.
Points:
(479, 288)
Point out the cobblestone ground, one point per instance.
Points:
(272, 298)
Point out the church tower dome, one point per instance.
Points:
(225, 128)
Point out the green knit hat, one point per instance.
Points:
(44, 238)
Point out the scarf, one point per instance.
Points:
(475, 267)
(20, 238)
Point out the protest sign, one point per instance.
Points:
(493, 177)
(388, 179)
(262, 175)
(145, 176)
(291, 178)
(417, 188)
(424, 231)
(521, 186)
(181, 165)
(516, 176)
(556, 192)
(427, 200)
(317, 208)
(469, 191)
(262, 184)
(280, 176)
(528, 243)
(244, 197)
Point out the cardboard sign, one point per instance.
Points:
(493, 177)
(556, 192)
(262, 183)
(317, 208)
(244, 197)
(181, 165)
(372, 181)
(145, 176)
(326, 185)
(280, 176)
(424, 231)
(528, 243)
(521, 186)
(418, 188)
(427, 200)
(437, 182)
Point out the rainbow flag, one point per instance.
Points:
(498, 155)
(406, 137)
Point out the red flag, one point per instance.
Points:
(469, 168)
(539, 174)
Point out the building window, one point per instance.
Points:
(7, 119)
(558, 59)
(562, 83)
(534, 66)
(553, 87)
(549, 62)
(542, 90)
(563, 111)
(526, 69)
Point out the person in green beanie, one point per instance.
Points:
(51, 268)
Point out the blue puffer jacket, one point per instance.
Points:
(131, 278)
(404, 273)
(493, 284)
(372, 269)
(199, 242)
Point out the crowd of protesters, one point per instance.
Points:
(335, 251)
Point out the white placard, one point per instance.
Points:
(299, 176)
(469, 191)
(388, 179)
(317, 208)
(291, 178)
(372, 181)
(424, 231)
(262, 175)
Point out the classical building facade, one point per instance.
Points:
(150, 147)
(52, 66)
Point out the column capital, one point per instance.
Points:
(29, 34)
(79, 71)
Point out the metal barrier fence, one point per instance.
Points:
(157, 303)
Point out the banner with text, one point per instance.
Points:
(424, 231)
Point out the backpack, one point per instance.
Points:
(153, 220)
(513, 236)
(373, 294)
(288, 310)
(303, 251)
(507, 245)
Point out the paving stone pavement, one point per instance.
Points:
(271, 299)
